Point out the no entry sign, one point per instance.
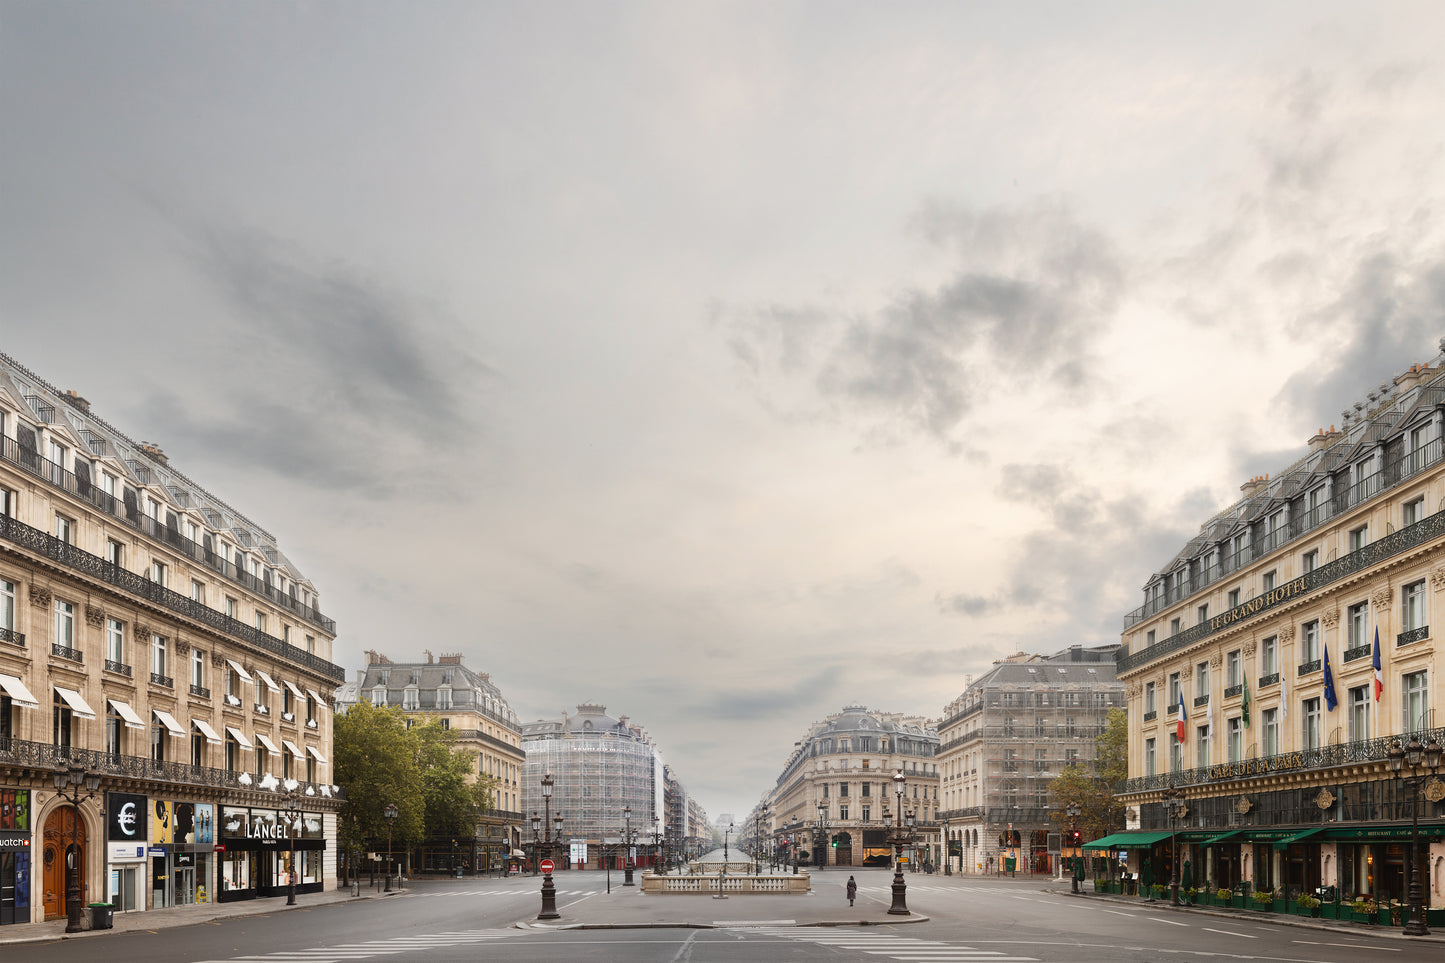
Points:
(547, 866)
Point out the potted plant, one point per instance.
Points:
(1308, 905)
(1158, 890)
(1364, 910)
(1190, 894)
(1265, 899)
(1224, 895)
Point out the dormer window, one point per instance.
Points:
(410, 699)
(378, 696)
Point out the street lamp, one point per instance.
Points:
(549, 888)
(1422, 760)
(627, 844)
(73, 778)
(722, 873)
(762, 813)
(1174, 803)
(822, 847)
(390, 812)
(293, 807)
(1072, 810)
(947, 850)
(657, 868)
(900, 888)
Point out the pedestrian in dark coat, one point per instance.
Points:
(852, 890)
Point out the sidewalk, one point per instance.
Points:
(51, 930)
(1339, 927)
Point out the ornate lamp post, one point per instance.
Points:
(722, 873)
(549, 888)
(1072, 811)
(293, 809)
(947, 850)
(390, 812)
(900, 888)
(822, 847)
(762, 814)
(73, 778)
(657, 867)
(1423, 761)
(1174, 804)
(627, 846)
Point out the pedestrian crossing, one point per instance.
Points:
(904, 948)
(411, 945)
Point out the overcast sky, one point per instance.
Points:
(722, 363)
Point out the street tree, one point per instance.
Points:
(376, 766)
(1091, 785)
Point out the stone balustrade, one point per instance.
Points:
(740, 884)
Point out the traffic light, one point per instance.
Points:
(835, 841)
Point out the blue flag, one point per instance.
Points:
(1330, 699)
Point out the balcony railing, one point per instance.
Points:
(13, 637)
(1413, 635)
(1322, 757)
(1231, 691)
(35, 540)
(1201, 701)
(1151, 715)
(66, 652)
(164, 680)
(112, 666)
(85, 490)
(1313, 665)
(41, 755)
(1269, 679)
(200, 691)
(1358, 652)
(1393, 544)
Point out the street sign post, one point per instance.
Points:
(547, 866)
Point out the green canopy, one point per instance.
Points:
(1221, 837)
(1284, 843)
(1127, 840)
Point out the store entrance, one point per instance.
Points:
(185, 879)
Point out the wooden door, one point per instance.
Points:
(60, 848)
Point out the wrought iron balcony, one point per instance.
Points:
(13, 637)
(1312, 665)
(1231, 691)
(96, 567)
(44, 756)
(1269, 680)
(1414, 635)
(1396, 543)
(119, 667)
(1322, 757)
(201, 691)
(1358, 652)
(165, 680)
(262, 710)
(66, 652)
(1201, 701)
(1151, 715)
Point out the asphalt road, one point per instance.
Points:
(975, 920)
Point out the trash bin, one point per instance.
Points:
(102, 916)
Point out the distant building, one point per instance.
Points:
(836, 794)
(1006, 737)
(606, 772)
(471, 706)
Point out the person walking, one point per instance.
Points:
(852, 890)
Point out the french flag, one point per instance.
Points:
(1181, 726)
(1379, 672)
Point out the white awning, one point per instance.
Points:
(291, 748)
(270, 746)
(132, 721)
(316, 697)
(245, 676)
(77, 704)
(270, 684)
(295, 690)
(207, 731)
(169, 721)
(239, 736)
(317, 753)
(18, 693)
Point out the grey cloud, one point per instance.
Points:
(1032, 291)
(327, 373)
(763, 700)
(967, 604)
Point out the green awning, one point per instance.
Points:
(1268, 835)
(1195, 835)
(1284, 843)
(1222, 837)
(1126, 840)
(1380, 834)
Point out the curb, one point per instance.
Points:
(1277, 919)
(690, 925)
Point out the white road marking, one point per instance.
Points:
(1170, 922)
(1230, 933)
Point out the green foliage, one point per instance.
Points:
(1264, 897)
(1225, 894)
(1309, 902)
(1092, 785)
(378, 760)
